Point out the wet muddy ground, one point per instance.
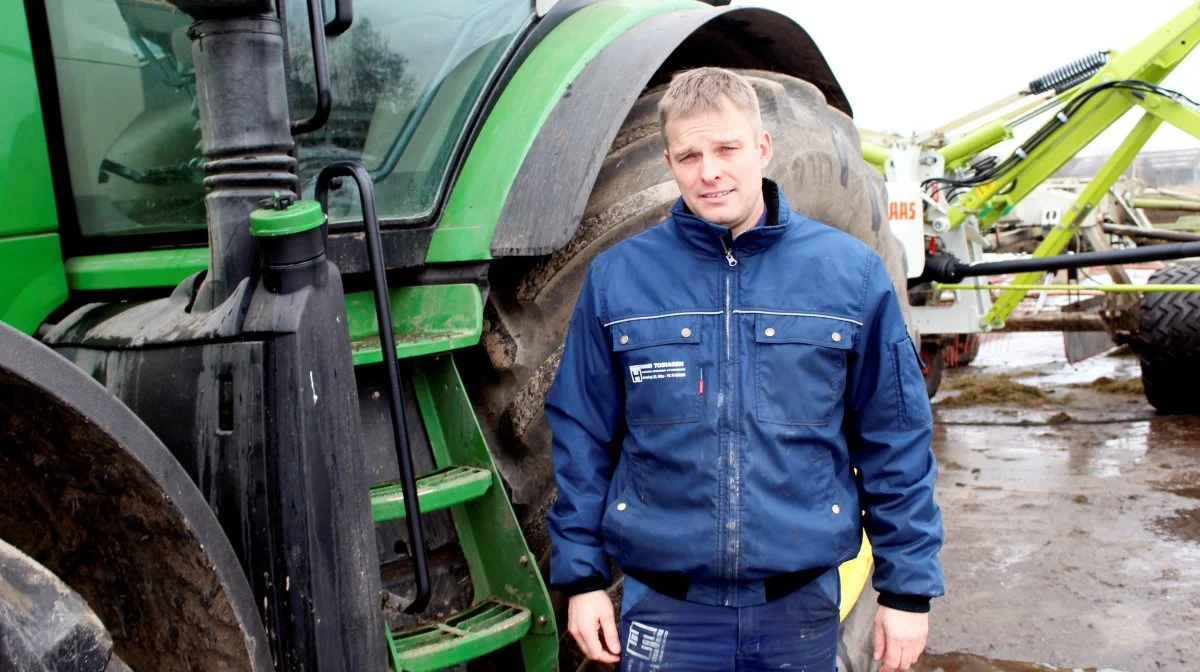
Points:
(1072, 518)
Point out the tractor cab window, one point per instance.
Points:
(407, 78)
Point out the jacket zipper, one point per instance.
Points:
(735, 479)
(729, 259)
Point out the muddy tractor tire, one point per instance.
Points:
(1167, 342)
(44, 625)
(818, 165)
(95, 502)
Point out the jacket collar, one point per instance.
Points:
(706, 237)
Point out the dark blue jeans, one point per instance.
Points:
(798, 631)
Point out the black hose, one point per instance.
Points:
(947, 269)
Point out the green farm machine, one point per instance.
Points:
(283, 284)
(954, 197)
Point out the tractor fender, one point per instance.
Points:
(91, 494)
(545, 203)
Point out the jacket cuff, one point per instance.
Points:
(917, 604)
(584, 585)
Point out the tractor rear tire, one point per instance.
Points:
(817, 163)
(1167, 342)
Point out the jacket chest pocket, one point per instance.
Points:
(660, 361)
(800, 367)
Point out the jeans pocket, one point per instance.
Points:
(817, 601)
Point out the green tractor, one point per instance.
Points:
(283, 284)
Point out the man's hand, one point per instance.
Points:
(589, 614)
(899, 638)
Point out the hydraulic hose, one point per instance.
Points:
(948, 269)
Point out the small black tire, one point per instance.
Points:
(969, 349)
(933, 356)
(1167, 342)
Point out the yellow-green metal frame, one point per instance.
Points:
(1060, 236)
(1149, 61)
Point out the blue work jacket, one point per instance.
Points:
(714, 399)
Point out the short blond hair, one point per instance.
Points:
(706, 90)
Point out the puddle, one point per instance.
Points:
(1024, 380)
(1039, 358)
(1186, 484)
(1052, 454)
(1112, 456)
(969, 662)
(1180, 434)
(1183, 524)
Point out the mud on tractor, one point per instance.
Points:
(954, 198)
(283, 285)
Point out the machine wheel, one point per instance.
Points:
(1168, 342)
(968, 348)
(933, 356)
(818, 166)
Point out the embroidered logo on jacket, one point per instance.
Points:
(657, 371)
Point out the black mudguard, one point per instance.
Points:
(90, 493)
(547, 200)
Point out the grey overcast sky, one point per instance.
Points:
(910, 65)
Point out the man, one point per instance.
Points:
(737, 385)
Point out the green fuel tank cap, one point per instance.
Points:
(283, 216)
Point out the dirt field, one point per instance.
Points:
(1072, 518)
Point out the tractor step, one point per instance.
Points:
(485, 627)
(436, 490)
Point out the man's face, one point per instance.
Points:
(717, 159)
